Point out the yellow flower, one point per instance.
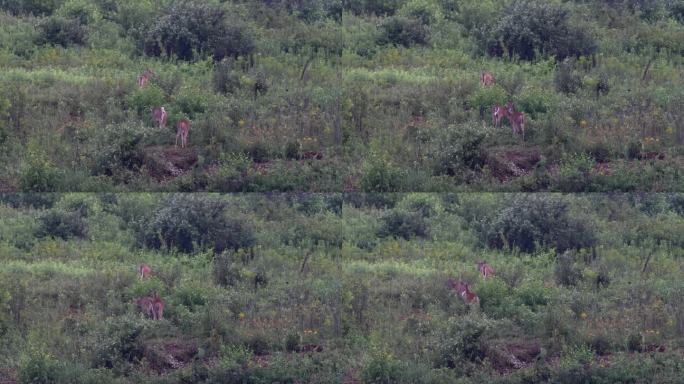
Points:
(583, 123)
(242, 315)
(583, 315)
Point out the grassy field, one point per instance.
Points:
(332, 95)
(342, 288)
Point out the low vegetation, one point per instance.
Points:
(332, 95)
(341, 288)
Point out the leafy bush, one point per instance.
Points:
(399, 223)
(225, 79)
(404, 31)
(531, 26)
(527, 221)
(427, 11)
(381, 175)
(62, 224)
(459, 146)
(227, 272)
(567, 272)
(34, 7)
(38, 366)
(39, 174)
(382, 368)
(460, 340)
(183, 222)
(62, 31)
(566, 79)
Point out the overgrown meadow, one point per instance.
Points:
(339, 95)
(342, 288)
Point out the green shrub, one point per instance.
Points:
(406, 225)
(62, 31)
(184, 222)
(227, 272)
(459, 147)
(225, 79)
(566, 79)
(575, 174)
(381, 175)
(39, 367)
(528, 221)
(141, 100)
(404, 31)
(459, 340)
(382, 368)
(567, 272)
(39, 174)
(34, 7)
(62, 224)
(427, 11)
(532, 26)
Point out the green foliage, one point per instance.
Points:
(399, 30)
(427, 11)
(381, 175)
(39, 174)
(459, 147)
(142, 100)
(398, 223)
(58, 30)
(186, 222)
(382, 368)
(566, 79)
(529, 221)
(34, 7)
(460, 340)
(63, 224)
(39, 367)
(527, 28)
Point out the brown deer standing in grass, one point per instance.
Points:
(159, 116)
(158, 306)
(144, 77)
(144, 271)
(485, 269)
(182, 130)
(152, 305)
(517, 119)
(486, 78)
(463, 290)
(498, 113)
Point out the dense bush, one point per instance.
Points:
(62, 224)
(457, 148)
(529, 27)
(398, 223)
(184, 222)
(59, 30)
(528, 221)
(399, 30)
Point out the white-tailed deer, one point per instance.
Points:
(485, 269)
(486, 79)
(144, 77)
(144, 271)
(146, 305)
(498, 113)
(159, 116)
(517, 119)
(157, 306)
(182, 130)
(463, 290)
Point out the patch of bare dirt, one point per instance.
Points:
(164, 163)
(507, 162)
(168, 354)
(508, 355)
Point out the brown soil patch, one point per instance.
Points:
(508, 162)
(165, 163)
(167, 354)
(508, 355)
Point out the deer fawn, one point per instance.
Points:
(159, 116)
(486, 79)
(144, 77)
(144, 271)
(485, 269)
(182, 130)
(463, 290)
(517, 119)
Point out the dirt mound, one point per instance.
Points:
(507, 355)
(164, 163)
(167, 354)
(506, 162)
